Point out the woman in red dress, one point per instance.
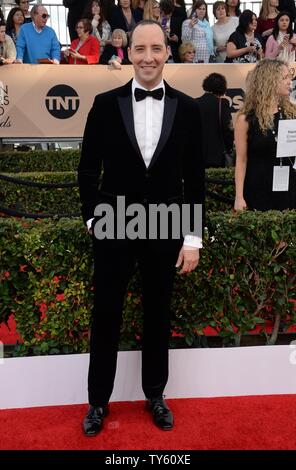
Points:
(86, 49)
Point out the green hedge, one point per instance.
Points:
(43, 200)
(224, 190)
(247, 275)
(66, 200)
(36, 161)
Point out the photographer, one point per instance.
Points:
(172, 26)
(245, 45)
(7, 47)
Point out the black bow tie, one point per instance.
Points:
(141, 94)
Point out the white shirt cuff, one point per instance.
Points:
(88, 223)
(191, 242)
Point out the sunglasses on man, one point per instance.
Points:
(45, 16)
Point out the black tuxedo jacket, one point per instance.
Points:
(76, 10)
(176, 28)
(117, 20)
(176, 170)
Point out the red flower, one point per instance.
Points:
(23, 268)
(175, 334)
(55, 280)
(60, 297)
(40, 335)
(7, 274)
(210, 272)
(43, 310)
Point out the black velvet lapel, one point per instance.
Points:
(170, 106)
(126, 109)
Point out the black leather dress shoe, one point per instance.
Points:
(93, 421)
(162, 415)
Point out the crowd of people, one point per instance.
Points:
(236, 36)
(100, 33)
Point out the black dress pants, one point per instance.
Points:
(114, 264)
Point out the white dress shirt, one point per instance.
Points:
(148, 117)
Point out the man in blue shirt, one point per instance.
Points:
(36, 40)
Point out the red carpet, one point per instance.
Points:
(258, 423)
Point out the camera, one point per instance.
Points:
(256, 46)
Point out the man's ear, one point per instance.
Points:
(169, 52)
(129, 54)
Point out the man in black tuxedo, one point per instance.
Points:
(146, 135)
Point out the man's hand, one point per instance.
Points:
(189, 259)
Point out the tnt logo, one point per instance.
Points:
(62, 101)
(236, 98)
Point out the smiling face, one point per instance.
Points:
(117, 40)
(41, 17)
(80, 30)
(156, 10)
(148, 54)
